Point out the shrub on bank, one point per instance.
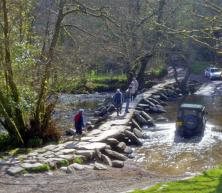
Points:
(6, 142)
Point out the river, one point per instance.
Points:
(165, 154)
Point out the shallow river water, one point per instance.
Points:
(166, 154)
(163, 153)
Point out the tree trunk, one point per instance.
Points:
(144, 60)
(40, 107)
(143, 63)
(18, 117)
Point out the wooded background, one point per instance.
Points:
(49, 46)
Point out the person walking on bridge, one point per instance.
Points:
(127, 99)
(79, 123)
(134, 88)
(118, 101)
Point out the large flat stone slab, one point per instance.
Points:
(15, 170)
(113, 132)
(31, 166)
(90, 145)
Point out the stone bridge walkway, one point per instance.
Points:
(72, 153)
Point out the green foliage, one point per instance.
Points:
(159, 71)
(35, 142)
(4, 140)
(198, 67)
(209, 182)
(92, 82)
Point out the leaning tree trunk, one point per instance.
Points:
(40, 107)
(183, 84)
(144, 60)
(143, 63)
(16, 121)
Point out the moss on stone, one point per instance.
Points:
(78, 160)
(62, 163)
(42, 168)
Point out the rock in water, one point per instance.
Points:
(115, 155)
(98, 166)
(14, 170)
(138, 133)
(117, 163)
(133, 138)
(112, 141)
(121, 146)
(105, 159)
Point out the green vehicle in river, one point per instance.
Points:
(191, 120)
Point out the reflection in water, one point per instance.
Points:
(166, 154)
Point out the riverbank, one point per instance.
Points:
(208, 182)
(127, 174)
(131, 176)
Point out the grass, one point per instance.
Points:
(209, 182)
(159, 72)
(91, 82)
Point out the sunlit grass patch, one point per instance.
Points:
(209, 182)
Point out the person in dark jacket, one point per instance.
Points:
(118, 101)
(79, 123)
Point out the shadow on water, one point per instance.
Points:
(195, 139)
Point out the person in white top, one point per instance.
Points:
(134, 88)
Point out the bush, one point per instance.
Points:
(35, 142)
(159, 72)
(7, 142)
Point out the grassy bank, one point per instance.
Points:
(92, 83)
(209, 182)
(106, 82)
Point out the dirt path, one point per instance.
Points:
(88, 181)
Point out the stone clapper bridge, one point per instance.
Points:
(106, 146)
